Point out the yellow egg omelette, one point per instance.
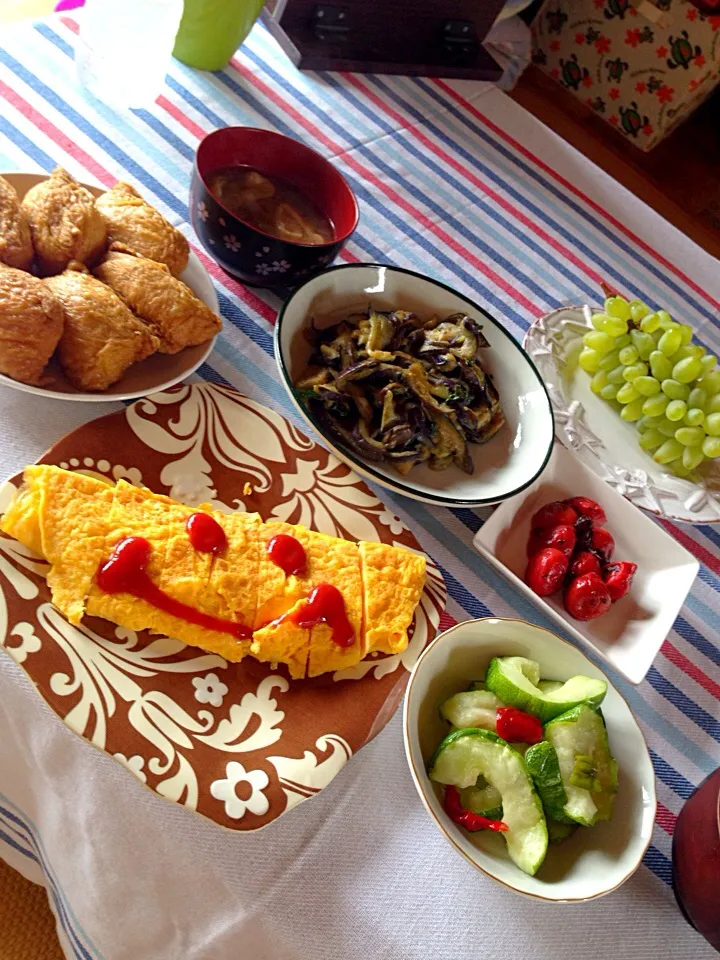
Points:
(235, 601)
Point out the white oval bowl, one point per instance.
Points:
(591, 863)
(153, 375)
(506, 464)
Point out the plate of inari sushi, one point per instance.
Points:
(101, 297)
(213, 599)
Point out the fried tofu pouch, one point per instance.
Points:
(133, 226)
(167, 305)
(75, 522)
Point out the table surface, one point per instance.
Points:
(458, 182)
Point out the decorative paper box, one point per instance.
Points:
(642, 66)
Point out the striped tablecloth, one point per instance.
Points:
(456, 181)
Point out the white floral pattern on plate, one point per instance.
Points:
(175, 716)
(592, 430)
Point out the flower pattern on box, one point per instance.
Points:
(642, 76)
(176, 717)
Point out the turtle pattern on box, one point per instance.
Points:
(642, 69)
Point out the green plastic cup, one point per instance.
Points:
(212, 30)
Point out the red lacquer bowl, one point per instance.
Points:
(246, 252)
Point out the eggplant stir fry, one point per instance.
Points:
(394, 388)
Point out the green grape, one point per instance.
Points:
(686, 332)
(668, 343)
(639, 310)
(612, 326)
(617, 375)
(656, 406)
(670, 450)
(666, 428)
(609, 392)
(600, 342)
(649, 323)
(695, 417)
(618, 307)
(712, 425)
(708, 362)
(713, 405)
(623, 341)
(660, 366)
(627, 393)
(643, 343)
(634, 371)
(683, 353)
(698, 398)
(686, 370)
(598, 321)
(628, 355)
(647, 386)
(651, 440)
(711, 447)
(589, 360)
(610, 361)
(678, 467)
(675, 390)
(598, 381)
(676, 410)
(690, 436)
(692, 457)
(648, 423)
(632, 411)
(666, 321)
(710, 382)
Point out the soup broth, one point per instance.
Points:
(270, 204)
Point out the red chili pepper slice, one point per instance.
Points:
(517, 726)
(465, 818)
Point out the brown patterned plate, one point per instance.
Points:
(240, 743)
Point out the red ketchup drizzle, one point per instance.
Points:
(125, 572)
(326, 605)
(287, 553)
(206, 534)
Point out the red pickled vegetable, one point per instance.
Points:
(553, 514)
(517, 726)
(464, 818)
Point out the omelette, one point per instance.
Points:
(215, 581)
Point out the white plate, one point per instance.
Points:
(158, 372)
(630, 634)
(503, 466)
(593, 861)
(595, 432)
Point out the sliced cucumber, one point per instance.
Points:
(482, 798)
(549, 686)
(588, 769)
(464, 755)
(474, 708)
(557, 832)
(544, 768)
(512, 679)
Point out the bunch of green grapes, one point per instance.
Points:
(646, 366)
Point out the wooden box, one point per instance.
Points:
(439, 38)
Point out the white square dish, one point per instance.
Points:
(630, 634)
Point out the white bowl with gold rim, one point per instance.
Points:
(593, 861)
